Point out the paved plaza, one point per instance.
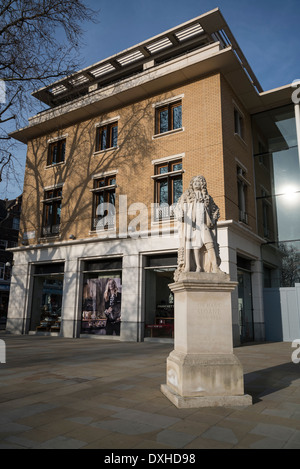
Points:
(60, 393)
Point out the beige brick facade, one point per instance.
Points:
(207, 141)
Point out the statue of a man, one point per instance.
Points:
(197, 216)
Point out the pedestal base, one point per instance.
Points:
(202, 370)
(206, 401)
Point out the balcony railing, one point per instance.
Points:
(51, 230)
(164, 212)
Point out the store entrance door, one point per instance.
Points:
(159, 300)
(46, 308)
(245, 306)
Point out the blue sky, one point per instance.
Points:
(267, 32)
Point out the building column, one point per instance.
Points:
(70, 299)
(130, 295)
(18, 315)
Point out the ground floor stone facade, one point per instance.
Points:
(66, 281)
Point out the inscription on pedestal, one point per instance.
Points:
(210, 311)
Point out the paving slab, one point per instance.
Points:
(58, 393)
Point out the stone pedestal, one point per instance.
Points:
(202, 370)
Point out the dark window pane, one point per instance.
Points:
(177, 117)
(104, 264)
(163, 121)
(114, 136)
(63, 151)
(54, 154)
(103, 137)
(49, 268)
(163, 192)
(163, 170)
(100, 198)
(177, 167)
(112, 198)
(177, 190)
(163, 260)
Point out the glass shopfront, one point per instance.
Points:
(47, 298)
(159, 300)
(245, 304)
(102, 297)
(277, 174)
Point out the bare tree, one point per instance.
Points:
(290, 270)
(39, 43)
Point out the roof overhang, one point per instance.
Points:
(206, 61)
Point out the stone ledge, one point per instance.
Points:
(182, 402)
(190, 281)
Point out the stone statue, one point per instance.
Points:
(197, 217)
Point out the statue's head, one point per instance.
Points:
(198, 183)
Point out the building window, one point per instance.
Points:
(16, 224)
(3, 244)
(56, 152)
(52, 212)
(168, 117)
(242, 185)
(104, 199)
(168, 188)
(238, 124)
(107, 136)
(2, 271)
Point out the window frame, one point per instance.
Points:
(60, 144)
(239, 123)
(106, 189)
(242, 188)
(169, 107)
(109, 136)
(52, 198)
(170, 176)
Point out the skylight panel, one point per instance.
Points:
(78, 80)
(97, 72)
(189, 32)
(127, 59)
(58, 89)
(159, 45)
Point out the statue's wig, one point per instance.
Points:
(203, 182)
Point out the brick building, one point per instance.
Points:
(130, 132)
(10, 211)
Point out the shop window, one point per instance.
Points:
(168, 188)
(56, 152)
(104, 199)
(52, 212)
(168, 117)
(46, 309)
(102, 297)
(159, 300)
(107, 136)
(245, 305)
